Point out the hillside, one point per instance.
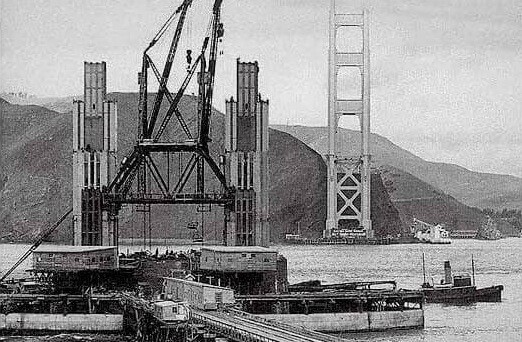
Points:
(36, 163)
(415, 198)
(483, 190)
(298, 192)
(36, 166)
(57, 104)
(2, 146)
(36, 145)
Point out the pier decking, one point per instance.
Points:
(240, 326)
(233, 324)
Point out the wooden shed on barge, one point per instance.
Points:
(75, 258)
(246, 269)
(238, 259)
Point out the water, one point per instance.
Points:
(496, 262)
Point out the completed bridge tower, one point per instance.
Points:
(348, 182)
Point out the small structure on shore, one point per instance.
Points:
(429, 233)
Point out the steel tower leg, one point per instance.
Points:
(365, 139)
(331, 219)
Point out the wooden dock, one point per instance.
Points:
(240, 326)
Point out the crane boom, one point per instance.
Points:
(166, 70)
(217, 32)
(140, 161)
(39, 239)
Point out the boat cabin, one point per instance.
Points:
(462, 280)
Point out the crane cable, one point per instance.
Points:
(165, 26)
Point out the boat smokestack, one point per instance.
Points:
(448, 279)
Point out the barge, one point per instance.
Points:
(258, 277)
(251, 279)
(45, 313)
(360, 309)
(342, 311)
(353, 306)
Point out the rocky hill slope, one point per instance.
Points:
(415, 198)
(36, 170)
(413, 182)
(476, 189)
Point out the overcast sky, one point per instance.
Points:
(446, 75)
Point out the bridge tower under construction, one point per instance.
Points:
(348, 183)
(94, 159)
(246, 153)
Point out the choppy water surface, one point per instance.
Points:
(496, 262)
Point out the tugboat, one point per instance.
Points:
(459, 289)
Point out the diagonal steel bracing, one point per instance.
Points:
(140, 163)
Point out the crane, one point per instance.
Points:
(140, 162)
(140, 165)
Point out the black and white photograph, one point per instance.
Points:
(260, 171)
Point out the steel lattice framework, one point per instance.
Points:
(140, 168)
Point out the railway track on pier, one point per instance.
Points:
(241, 326)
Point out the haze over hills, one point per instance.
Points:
(38, 174)
(58, 104)
(476, 189)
